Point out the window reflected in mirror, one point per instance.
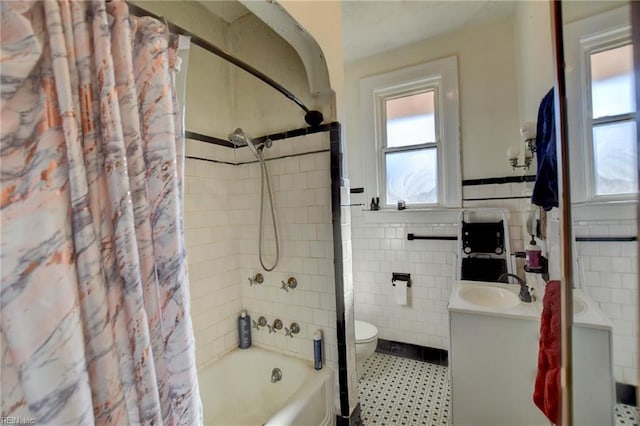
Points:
(614, 130)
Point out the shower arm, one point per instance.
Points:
(312, 117)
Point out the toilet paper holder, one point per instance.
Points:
(400, 276)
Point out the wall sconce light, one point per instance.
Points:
(512, 155)
(528, 130)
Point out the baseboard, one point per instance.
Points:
(355, 419)
(411, 351)
(626, 394)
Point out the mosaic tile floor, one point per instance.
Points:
(400, 391)
(626, 415)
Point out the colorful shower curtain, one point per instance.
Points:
(95, 325)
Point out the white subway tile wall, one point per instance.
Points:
(609, 274)
(222, 205)
(608, 270)
(302, 195)
(382, 248)
(212, 253)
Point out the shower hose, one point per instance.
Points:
(265, 176)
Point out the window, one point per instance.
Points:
(411, 149)
(601, 108)
(412, 146)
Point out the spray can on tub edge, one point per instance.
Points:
(244, 330)
(317, 350)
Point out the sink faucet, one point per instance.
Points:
(525, 296)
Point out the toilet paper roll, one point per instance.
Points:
(400, 292)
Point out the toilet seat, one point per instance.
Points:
(365, 332)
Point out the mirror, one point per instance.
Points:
(500, 89)
(603, 170)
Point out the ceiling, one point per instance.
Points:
(228, 10)
(371, 27)
(374, 26)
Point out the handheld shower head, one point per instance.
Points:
(239, 138)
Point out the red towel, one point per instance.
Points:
(547, 391)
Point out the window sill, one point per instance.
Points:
(598, 211)
(416, 215)
(415, 209)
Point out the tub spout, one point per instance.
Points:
(276, 375)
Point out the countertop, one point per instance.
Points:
(528, 311)
(591, 317)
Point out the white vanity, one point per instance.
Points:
(594, 394)
(494, 352)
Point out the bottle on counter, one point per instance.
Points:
(533, 255)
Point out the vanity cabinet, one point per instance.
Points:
(493, 365)
(493, 360)
(593, 383)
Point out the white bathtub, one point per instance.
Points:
(237, 390)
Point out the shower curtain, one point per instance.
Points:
(95, 325)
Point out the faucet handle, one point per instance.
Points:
(290, 284)
(295, 329)
(532, 292)
(257, 279)
(277, 325)
(262, 321)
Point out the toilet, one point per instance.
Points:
(366, 342)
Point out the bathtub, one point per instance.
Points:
(237, 390)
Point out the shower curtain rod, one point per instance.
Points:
(313, 118)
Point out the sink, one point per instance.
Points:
(489, 297)
(579, 305)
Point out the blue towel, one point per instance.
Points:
(545, 189)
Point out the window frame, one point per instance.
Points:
(441, 76)
(595, 34)
(431, 84)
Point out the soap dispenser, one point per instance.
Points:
(533, 255)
